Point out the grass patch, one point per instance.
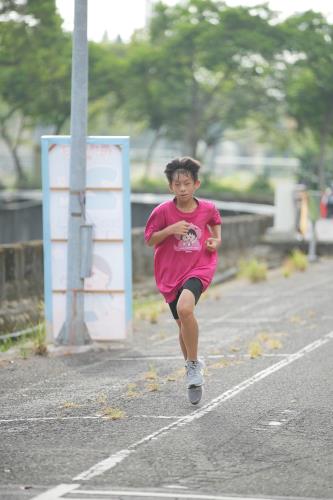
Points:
(153, 387)
(297, 261)
(263, 337)
(234, 349)
(132, 391)
(113, 413)
(253, 270)
(39, 340)
(25, 351)
(255, 350)
(297, 320)
(274, 344)
(151, 374)
(31, 340)
(70, 405)
(7, 344)
(102, 398)
(268, 341)
(176, 375)
(222, 363)
(148, 308)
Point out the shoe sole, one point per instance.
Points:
(194, 394)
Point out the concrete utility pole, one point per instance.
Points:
(79, 253)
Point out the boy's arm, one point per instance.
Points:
(214, 241)
(179, 228)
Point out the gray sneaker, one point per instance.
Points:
(194, 373)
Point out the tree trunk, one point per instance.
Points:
(20, 175)
(322, 151)
(150, 153)
(192, 138)
(59, 125)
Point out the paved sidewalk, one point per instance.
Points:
(117, 424)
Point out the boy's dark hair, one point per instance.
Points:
(185, 165)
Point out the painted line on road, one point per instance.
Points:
(64, 489)
(57, 492)
(81, 417)
(247, 320)
(175, 495)
(45, 419)
(209, 356)
(116, 458)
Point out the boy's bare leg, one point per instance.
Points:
(181, 341)
(189, 326)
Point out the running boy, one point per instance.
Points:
(186, 233)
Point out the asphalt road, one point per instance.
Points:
(263, 429)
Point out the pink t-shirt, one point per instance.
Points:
(179, 258)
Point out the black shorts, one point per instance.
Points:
(193, 284)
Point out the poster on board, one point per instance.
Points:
(108, 291)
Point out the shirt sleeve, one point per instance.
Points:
(155, 222)
(215, 217)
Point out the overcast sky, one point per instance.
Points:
(124, 16)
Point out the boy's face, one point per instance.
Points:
(183, 186)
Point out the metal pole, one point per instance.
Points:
(74, 330)
(312, 251)
(314, 213)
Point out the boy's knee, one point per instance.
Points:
(184, 310)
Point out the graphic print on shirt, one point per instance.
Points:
(189, 242)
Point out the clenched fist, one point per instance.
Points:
(180, 228)
(212, 244)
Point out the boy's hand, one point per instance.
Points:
(212, 244)
(179, 228)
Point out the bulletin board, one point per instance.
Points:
(108, 291)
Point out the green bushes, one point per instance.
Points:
(253, 270)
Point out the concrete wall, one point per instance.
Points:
(20, 221)
(21, 267)
(239, 235)
(21, 284)
(21, 213)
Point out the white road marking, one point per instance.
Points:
(81, 417)
(158, 416)
(118, 457)
(151, 494)
(45, 419)
(56, 492)
(176, 495)
(205, 356)
(243, 320)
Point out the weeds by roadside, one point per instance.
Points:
(111, 413)
(31, 341)
(297, 261)
(253, 270)
(149, 308)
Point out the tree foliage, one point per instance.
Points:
(34, 62)
(309, 83)
(199, 68)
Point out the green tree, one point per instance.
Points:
(308, 84)
(35, 64)
(107, 74)
(200, 69)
